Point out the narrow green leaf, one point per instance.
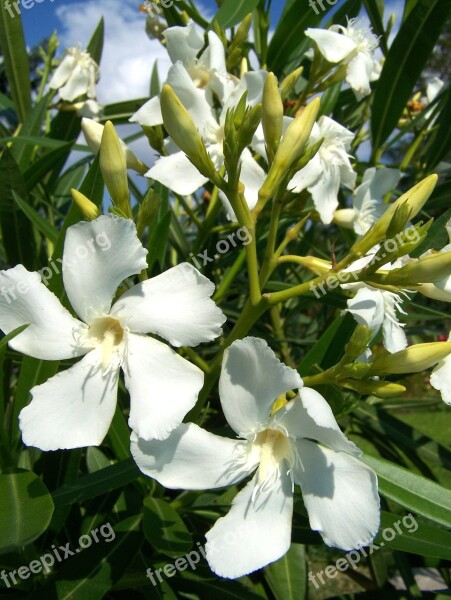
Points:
(31, 128)
(232, 12)
(95, 484)
(415, 492)
(11, 335)
(404, 63)
(15, 55)
(43, 225)
(287, 577)
(441, 142)
(43, 165)
(164, 528)
(95, 46)
(26, 509)
(376, 21)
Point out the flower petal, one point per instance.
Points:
(163, 387)
(441, 378)
(255, 532)
(340, 495)
(192, 459)
(183, 43)
(63, 72)
(149, 114)
(53, 334)
(325, 192)
(359, 72)
(367, 308)
(310, 416)
(177, 173)
(252, 377)
(252, 176)
(78, 84)
(214, 55)
(175, 305)
(73, 409)
(307, 176)
(335, 47)
(98, 256)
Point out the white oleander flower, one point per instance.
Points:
(208, 72)
(367, 200)
(75, 407)
(329, 168)
(353, 46)
(441, 377)
(176, 171)
(300, 443)
(377, 308)
(76, 75)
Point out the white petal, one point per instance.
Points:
(325, 192)
(193, 99)
(333, 46)
(359, 73)
(340, 495)
(149, 115)
(433, 88)
(177, 173)
(63, 72)
(310, 416)
(253, 83)
(336, 135)
(367, 308)
(252, 377)
(184, 43)
(252, 176)
(98, 256)
(215, 54)
(394, 337)
(73, 409)
(77, 84)
(163, 387)
(53, 334)
(307, 176)
(192, 459)
(175, 305)
(384, 181)
(255, 532)
(441, 378)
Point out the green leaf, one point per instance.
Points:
(31, 128)
(415, 492)
(95, 484)
(43, 165)
(404, 63)
(289, 39)
(11, 335)
(416, 537)
(437, 236)
(17, 233)
(15, 56)
(441, 138)
(164, 528)
(324, 352)
(287, 577)
(93, 571)
(376, 21)
(43, 225)
(154, 81)
(95, 46)
(26, 509)
(233, 12)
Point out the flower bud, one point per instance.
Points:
(380, 389)
(431, 268)
(93, 132)
(287, 85)
(411, 360)
(358, 342)
(345, 217)
(272, 115)
(397, 215)
(183, 131)
(89, 210)
(114, 169)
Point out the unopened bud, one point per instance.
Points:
(287, 85)
(411, 360)
(358, 342)
(431, 268)
(182, 129)
(89, 210)
(114, 169)
(345, 217)
(93, 132)
(272, 114)
(380, 389)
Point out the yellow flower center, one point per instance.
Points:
(108, 333)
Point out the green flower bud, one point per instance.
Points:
(114, 169)
(411, 360)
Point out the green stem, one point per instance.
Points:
(229, 277)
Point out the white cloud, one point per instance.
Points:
(128, 54)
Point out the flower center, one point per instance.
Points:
(199, 75)
(274, 447)
(108, 333)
